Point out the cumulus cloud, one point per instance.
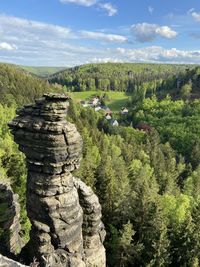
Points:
(145, 32)
(80, 2)
(166, 32)
(195, 15)
(36, 43)
(7, 46)
(151, 54)
(109, 8)
(104, 36)
(159, 54)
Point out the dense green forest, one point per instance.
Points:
(148, 181)
(125, 77)
(19, 87)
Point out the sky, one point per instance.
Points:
(73, 32)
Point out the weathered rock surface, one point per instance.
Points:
(5, 262)
(64, 212)
(93, 228)
(11, 242)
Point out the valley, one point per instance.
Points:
(144, 169)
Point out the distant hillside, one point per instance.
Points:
(120, 76)
(42, 71)
(16, 85)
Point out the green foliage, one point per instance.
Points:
(176, 121)
(19, 87)
(147, 182)
(175, 207)
(114, 100)
(126, 247)
(192, 185)
(137, 178)
(186, 90)
(12, 165)
(124, 77)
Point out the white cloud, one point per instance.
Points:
(7, 46)
(105, 60)
(145, 32)
(80, 2)
(196, 16)
(152, 54)
(166, 32)
(150, 9)
(15, 24)
(104, 37)
(109, 8)
(36, 43)
(158, 54)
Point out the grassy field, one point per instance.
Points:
(116, 101)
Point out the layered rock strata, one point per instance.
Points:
(63, 233)
(93, 233)
(10, 239)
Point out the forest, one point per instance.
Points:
(147, 180)
(121, 77)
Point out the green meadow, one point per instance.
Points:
(116, 100)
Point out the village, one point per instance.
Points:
(98, 104)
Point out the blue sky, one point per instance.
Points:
(74, 32)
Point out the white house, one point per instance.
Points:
(95, 101)
(115, 123)
(97, 108)
(124, 111)
(108, 117)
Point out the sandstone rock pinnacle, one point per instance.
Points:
(65, 214)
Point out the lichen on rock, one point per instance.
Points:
(64, 213)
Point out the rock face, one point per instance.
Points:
(11, 242)
(92, 237)
(5, 262)
(66, 226)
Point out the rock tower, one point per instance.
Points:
(65, 213)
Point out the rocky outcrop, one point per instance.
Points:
(10, 240)
(93, 228)
(6, 262)
(66, 226)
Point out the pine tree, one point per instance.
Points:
(126, 247)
